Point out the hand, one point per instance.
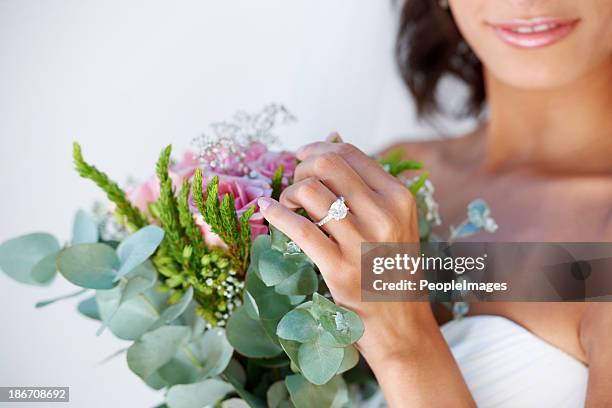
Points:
(381, 210)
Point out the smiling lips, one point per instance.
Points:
(533, 33)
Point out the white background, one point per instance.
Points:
(126, 78)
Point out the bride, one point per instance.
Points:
(540, 79)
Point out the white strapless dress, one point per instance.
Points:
(505, 365)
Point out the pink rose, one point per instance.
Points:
(246, 192)
(186, 167)
(148, 192)
(253, 152)
(267, 163)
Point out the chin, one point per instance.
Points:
(537, 73)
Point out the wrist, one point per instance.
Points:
(388, 339)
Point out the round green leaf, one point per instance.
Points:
(291, 348)
(276, 394)
(248, 336)
(90, 266)
(303, 282)
(132, 318)
(234, 403)
(318, 362)
(138, 247)
(198, 395)
(344, 325)
(297, 325)
(84, 229)
(176, 310)
(215, 352)
(20, 255)
(349, 360)
(181, 368)
(251, 305)
(333, 394)
(89, 308)
(235, 372)
(274, 267)
(138, 280)
(270, 304)
(44, 271)
(155, 349)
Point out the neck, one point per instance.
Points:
(567, 129)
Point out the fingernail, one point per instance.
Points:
(263, 203)
(334, 137)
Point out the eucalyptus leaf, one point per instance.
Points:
(18, 256)
(333, 394)
(349, 359)
(198, 395)
(302, 282)
(251, 305)
(138, 247)
(297, 325)
(252, 400)
(132, 318)
(277, 394)
(89, 308)
(84, 229)
(156, 382)
(156, 348)
(235, 373)
(90, 266)
(235, 403)
(291, 348)
(274, 267)
(56, 299)
(206, 356)
(248, 336)
(278, 240)
(215, 351)
(318, 362)
(182, 368)
(176, 310)
(44, 271)
(259, 245)
(270, 304)
(138, 280)
(344, 325)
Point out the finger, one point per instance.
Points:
(335, 173)
(371, 172)
(311, 195)
(314, 243)
(334, 137)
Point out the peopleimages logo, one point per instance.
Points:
(412, 264)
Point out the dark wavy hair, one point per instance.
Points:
(430, 46)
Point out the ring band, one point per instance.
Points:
(337, 211)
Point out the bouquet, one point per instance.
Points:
(221, 309)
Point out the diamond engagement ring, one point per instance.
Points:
(337, 211)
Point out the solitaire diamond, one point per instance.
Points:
(338, 210)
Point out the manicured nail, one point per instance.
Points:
(263, 203)
(334, 137)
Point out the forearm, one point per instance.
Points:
(422, 373)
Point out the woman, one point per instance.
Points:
(542, 159)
